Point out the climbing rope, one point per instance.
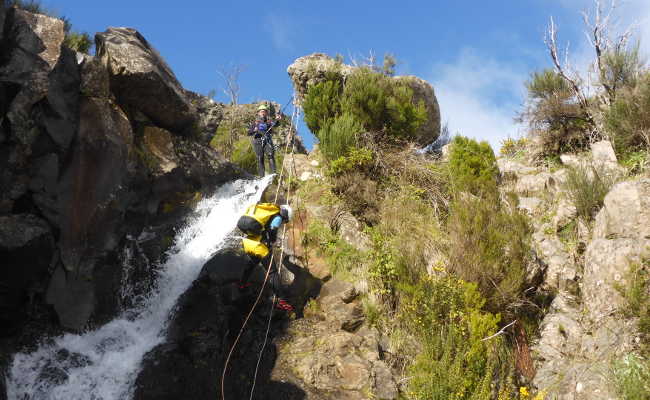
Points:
(294, 117)
(266, 277)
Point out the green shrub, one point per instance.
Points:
(244, 156)
(632, 377)
(338, 136)
(628, 121)
(473, 166)
(636, 161)
(369, 101)
(357, 159)
(341, 257)
(620, 69)
(80, 42)
(513, 147)
(586, 188)
(409, 226)
(445, 313)
(554, 114)
(489, 245)
(322, 103)
(382, 104)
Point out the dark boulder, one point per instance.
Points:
(59, 114)
(26, 251)
(33, 46)
(209, 315)
(210, 114)
(142, 80)
(3, 13)
(90, 210)
(43, 184)
(94, 78)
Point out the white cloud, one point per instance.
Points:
(479, 96)
(280, 29)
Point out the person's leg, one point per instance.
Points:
(252, 263)
(270, 153)
(259, 153)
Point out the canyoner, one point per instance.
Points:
(260, 223)
(260, 131)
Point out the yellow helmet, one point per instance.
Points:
(263, 107)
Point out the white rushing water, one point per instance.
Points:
(103, 364)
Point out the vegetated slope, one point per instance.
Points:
(477, 278)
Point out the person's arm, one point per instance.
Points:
(274, 123)
(275, 224)
(252, 128)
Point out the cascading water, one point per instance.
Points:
(103, 364)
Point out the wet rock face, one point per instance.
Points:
(26, 250)
(70, 158)
(141, 79)
(209, 315)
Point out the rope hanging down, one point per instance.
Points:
(266, 276)
(294, 117)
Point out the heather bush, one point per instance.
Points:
(489, 245)
(472, 166)
(554, 114)
(587, 187)
(339, 136)
(628, 120)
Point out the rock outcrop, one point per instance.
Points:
(584, 330)
(26, 250)
(312, 69)
(208, 319)
(142, 80)
(423, 92)
(33, 53)
(331, 352)
(81, 154)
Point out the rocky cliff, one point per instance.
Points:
(585, 265)
(98, 154)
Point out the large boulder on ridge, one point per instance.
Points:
(312, 69)
(423, 91)
(142, 80)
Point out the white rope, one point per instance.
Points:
(294, 118)
(266, 277)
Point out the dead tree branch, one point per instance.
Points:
(564, 69)
(230, 76)
(501, 331)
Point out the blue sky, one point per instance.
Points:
(475, 53)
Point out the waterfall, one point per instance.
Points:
(103, 364)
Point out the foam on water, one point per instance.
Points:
(103, 364)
